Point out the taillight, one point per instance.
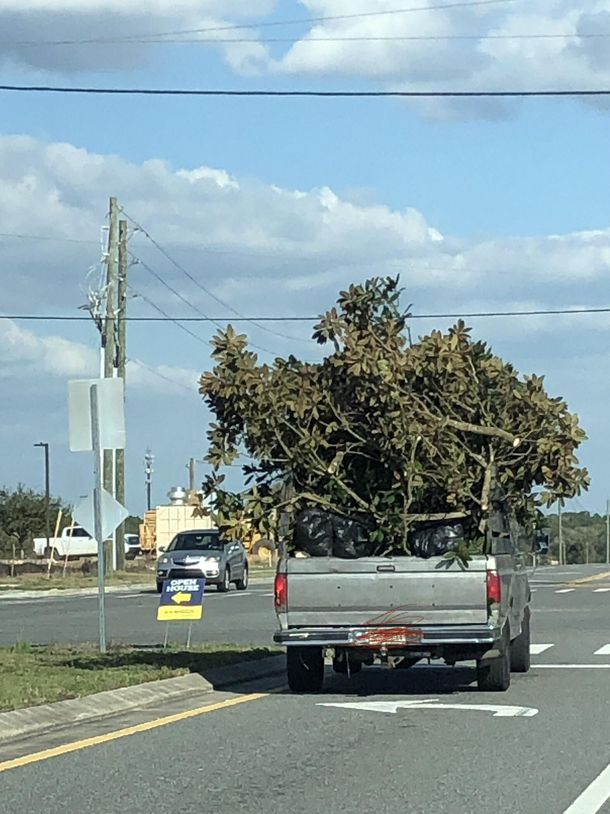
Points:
(494, 588)
(280, 591)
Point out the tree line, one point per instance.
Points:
(23, 517)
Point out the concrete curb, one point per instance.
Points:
(24, 723)
(8, 595)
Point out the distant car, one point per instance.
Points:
(201, 553)
(132, 546)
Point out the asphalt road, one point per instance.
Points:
(238, 616)
(278, 751)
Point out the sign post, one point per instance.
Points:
(181, 601)
(97, 512)
(97, 422)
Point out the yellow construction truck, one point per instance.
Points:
(183, 513)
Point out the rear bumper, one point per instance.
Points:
(375, 637)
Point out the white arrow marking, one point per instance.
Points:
(432, 703)
(536, 649)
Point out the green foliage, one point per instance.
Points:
(132, 524)
(386, 430)
(23, 517)
(584, 536)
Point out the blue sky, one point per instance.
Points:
(482, 207)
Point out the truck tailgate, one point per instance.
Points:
(326, 591)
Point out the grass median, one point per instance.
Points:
(31, 674)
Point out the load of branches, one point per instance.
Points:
(390, 434)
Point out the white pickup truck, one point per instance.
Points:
(73, 542)
(399, 610)
(76, 542)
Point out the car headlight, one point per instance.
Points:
(163, 561)
(214, 559)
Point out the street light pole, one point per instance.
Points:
(148, 470)
(47, 489)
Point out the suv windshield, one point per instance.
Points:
(202, 540)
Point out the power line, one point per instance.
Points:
(168, 317)
(200, 285)
(203, 316)
(348, 94)
(216, 320)
(279, 255)
(48, 237)
(307, 39)
(265, 24)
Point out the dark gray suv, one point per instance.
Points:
(203, 554)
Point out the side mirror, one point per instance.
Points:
(161, 549)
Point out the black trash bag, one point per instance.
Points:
(351, 538)
(313, 533)
(435, 540)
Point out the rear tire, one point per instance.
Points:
(305, 668)
(520, 647)
(493, 675)
(242, 584)
(159, 586)
(225, 585)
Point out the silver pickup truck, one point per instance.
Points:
(399, 610)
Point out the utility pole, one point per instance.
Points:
(47, 491)
(191, 469)
(148, 469)
(561, 549)
(110, 348)
(608, 532)
(121, 337)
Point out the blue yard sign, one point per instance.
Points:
(181, 600)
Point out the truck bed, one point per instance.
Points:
(327, 593)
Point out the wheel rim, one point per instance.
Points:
(227, 579)
(245, 577)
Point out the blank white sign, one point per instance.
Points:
(111, 409)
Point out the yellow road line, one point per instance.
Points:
(586, 580)
(36, 757)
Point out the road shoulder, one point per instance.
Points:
(25, 723)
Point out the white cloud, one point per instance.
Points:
(261, 249)
(477, 51)
(477, 63)
(24, 353)
(27, 355)
(94, 29)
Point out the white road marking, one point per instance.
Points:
(537, 649)
(603, 651)
(601, 590)
(393, 707)
(271, 594)
(565, 591)
(594, 796)
(570, 667)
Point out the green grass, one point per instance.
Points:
(31, 675)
